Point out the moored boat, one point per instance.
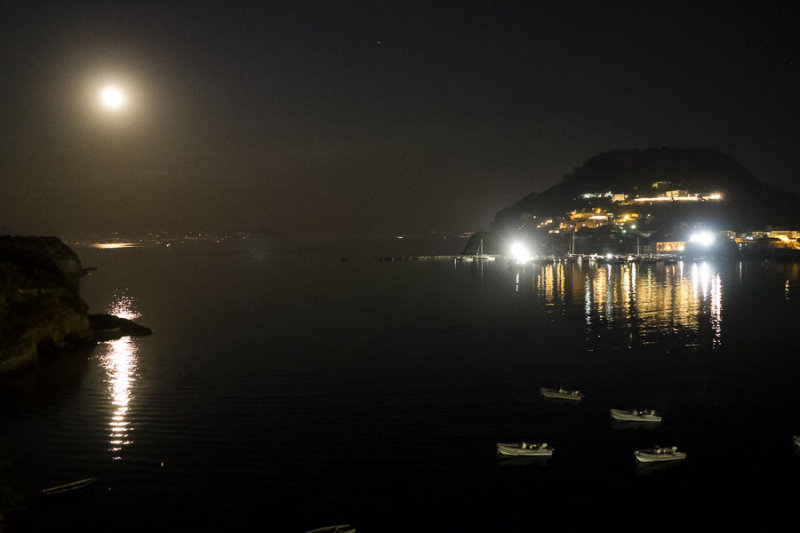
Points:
(527, 449)
(69, 487)
(562, 394)
(658, 454)
(635, 415)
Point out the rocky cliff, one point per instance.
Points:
(42, 251)
(40, 309)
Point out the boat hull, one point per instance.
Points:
(631, 416)
(649, 456)
(561, 395)
(517, 451)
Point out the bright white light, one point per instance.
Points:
(112, 97)
(520, 253)
(112, 245)
(703, 238)
(609, 256)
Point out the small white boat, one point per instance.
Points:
(659, 454)
(527, 449)
(561, 394)
(635, 415)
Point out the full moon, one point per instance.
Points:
(112, 97)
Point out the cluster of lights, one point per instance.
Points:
(693, 198)
(588, 195)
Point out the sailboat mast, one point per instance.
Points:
(573, 241)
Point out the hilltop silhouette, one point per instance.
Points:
(746, 204)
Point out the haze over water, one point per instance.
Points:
(290, 390)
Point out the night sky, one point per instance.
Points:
(370, 118)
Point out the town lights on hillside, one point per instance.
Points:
(703, 238)
(520, 253)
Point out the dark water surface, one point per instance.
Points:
(289, 390)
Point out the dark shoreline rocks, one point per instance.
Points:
(108, 327)
(40, 308)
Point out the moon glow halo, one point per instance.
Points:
(112, 98)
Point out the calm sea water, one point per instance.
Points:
(286, 390)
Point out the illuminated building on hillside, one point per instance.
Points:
(670, 246)
(626, 218)
(595, 218)
(680, 196)
(781, 239)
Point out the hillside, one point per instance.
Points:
(688, 187)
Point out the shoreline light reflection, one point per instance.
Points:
(119, 359)
(647, 301)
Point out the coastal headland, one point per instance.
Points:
(41, 310)
(693, 202)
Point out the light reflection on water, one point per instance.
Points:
(648, 299)
(119, 359)
(414, 343)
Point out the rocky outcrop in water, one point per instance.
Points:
(107, 327)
